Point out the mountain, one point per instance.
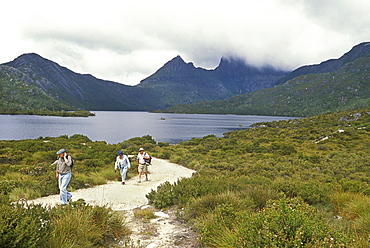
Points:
(334, 85)
(241, 78)
(180, 82)
(31, 82)
(81, 91)
(176, 82)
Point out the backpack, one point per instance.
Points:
(148, 161)
(73, 161)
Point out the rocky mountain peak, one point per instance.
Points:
(177, 64)
(175, 67)
(26, 60)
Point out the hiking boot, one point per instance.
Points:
(123, 183)
(146, 179)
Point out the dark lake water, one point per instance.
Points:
(115, 127)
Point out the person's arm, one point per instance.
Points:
(56, 167)
(67, 159)
(116, 164)
(146, 156)
(128, 162)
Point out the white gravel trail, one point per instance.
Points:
(128, 196)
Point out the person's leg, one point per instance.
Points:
(63, 183)
(123, 174)
(146, 172)
(139, 168)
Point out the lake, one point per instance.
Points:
(115, 127)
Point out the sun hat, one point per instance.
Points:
(120, 152)
(141, 149)
(61, 151)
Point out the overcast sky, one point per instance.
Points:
(127, 41)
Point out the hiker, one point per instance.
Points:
(64, 165)
(142, 159)
(123, 164)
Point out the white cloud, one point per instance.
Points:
(126, 41)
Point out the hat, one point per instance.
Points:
(120, 152)
(61, 151)
(141, 149)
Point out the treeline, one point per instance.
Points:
(44, 112)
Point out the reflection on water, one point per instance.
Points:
(115, 127)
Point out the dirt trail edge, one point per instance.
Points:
(164, 231)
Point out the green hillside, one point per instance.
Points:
(17, 95)
(347, 88)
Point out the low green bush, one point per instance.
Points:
(75, 225)
(282, 223)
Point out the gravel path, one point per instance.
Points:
(130, 195)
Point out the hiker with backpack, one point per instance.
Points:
(64, 164)
(123, 164)
(143, 160)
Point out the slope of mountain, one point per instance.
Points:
(344, 85)
(17, 92)
(73, 89)
(358, 51)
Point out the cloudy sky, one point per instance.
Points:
(126, 41)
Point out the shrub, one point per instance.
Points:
(283, 223)
(80, 225)
(201, 206)
(22, 227)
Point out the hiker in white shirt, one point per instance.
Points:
(123, 164)
(142, 164)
